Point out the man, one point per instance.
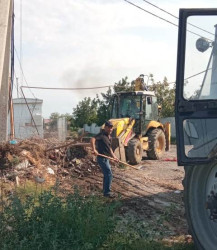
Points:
(101, 144)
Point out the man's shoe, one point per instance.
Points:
(111, 195)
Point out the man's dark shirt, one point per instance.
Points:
(103, 143)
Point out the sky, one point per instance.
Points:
(89, 43)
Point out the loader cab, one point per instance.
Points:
(139, 105)
(196, 87)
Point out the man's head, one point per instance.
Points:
(108, 127)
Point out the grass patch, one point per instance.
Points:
(133, 233)
(122, 243)
(53, 222)
(41, 219)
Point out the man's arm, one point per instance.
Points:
(93, 145)
(113, 155)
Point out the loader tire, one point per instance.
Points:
(134, 151)
(157, 144)
(197, 183)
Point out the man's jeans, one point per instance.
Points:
(107, 172)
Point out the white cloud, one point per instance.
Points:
(90, 43)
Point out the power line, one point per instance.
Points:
(177, 17)
(23, 72)
(201, 72)
(101, 87)
(33, 87)
(197, 74)
(29, 90)
(29, 111)
(150, 13)
(163, 19)
(16, 83)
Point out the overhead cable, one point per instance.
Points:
(177, 17)
(100, 87)
(164, 19)
(187, 78)
(22, 71)
(33, 87)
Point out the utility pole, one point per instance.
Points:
(17, 87)
(6, 13)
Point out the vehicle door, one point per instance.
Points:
(196, 86)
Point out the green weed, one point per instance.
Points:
(53, 222)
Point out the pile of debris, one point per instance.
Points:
(45, 161)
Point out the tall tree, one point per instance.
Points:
(98, 110)
(165, 96)
(85, 112)
(53, 123)
(54, 115)
(104, 106)
(123, 85)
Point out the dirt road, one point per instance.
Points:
(152, 194)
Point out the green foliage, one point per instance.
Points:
(104, 107)
(53, 222)
(54, 115)
(47, 221)
(165, 96)
(67, 116)
(98, 110)
(123, 85)
(85, 112)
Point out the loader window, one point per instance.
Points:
(114, 108)
(151, 108)
(130, 106)
(200, 137)
(200, 73)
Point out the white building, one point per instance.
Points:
(28, 122)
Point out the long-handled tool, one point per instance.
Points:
(84, 144)
(110, 158)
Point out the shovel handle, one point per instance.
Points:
(110, 158)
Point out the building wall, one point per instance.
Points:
(94, 129)
(62, 128)
(5, 44)
(173, 125)
(23, 123)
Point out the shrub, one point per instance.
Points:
(53, 222)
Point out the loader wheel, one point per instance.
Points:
(157, 143)
(199, 183)
(134, 151)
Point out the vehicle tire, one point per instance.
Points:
(134, 151)
(198, 182)
(157, 144)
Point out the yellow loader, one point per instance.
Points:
(135, 119)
